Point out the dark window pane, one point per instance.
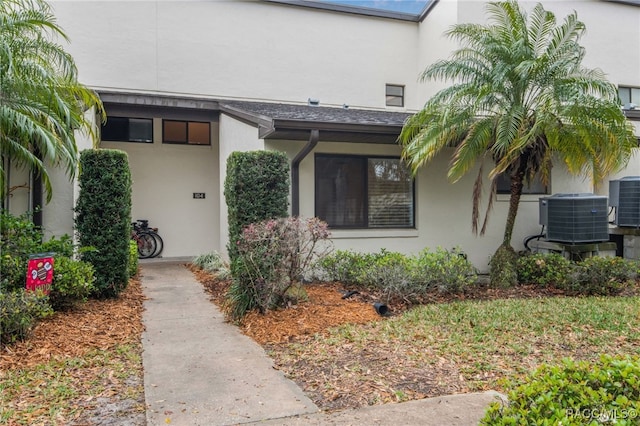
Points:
(141, 130)
(116, 129)
(340, 191)
(536, 186)
(174, 131)
(199, 133)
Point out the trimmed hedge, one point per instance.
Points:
(606, 391)
(103, 218)
(256, 188)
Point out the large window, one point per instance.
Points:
(363, 192)
(186, 132)
(127, 129)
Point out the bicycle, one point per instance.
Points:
(150, 243)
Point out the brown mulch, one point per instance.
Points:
(96, 324)
(108, 392)
(324, 308)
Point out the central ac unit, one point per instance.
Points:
(624, 195)
(575, 218)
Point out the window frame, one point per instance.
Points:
(630, 90)
(186, 142)
(394, 96)
(525, 189)
(365, 159)
(128, 131)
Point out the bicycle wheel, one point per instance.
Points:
(146, 245)
(159, 243)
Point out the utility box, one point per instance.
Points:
(575, 218)
(624, 196)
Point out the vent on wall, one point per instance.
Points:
(624, 195)
(575, 218)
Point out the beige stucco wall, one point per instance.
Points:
(240, 49)
(165, 176)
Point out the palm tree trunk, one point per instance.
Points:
(517, 183)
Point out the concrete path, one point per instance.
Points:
(199, 370)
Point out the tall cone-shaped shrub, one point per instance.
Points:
(103, 217)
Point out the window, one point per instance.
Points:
(629, 97)
(127, 129)
(363, 192)
(536, 186)
(186, 132)
(395, 95)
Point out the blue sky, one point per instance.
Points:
(407, 6)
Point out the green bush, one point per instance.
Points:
(601, 276)
(345, 266)
(256, 188)
(544, 269)
(19, 238)
(59, 247)
(72, 283)
(103, 218)
(446, 271)
(19, 311)
(399, 276)
(133, 258)
(575, 393)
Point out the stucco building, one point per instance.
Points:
(185, 83)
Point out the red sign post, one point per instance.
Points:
(40, 273)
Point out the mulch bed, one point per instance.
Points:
(96, 324)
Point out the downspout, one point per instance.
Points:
(295, 171)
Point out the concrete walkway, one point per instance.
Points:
(199, 370)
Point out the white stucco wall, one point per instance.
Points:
(165, 176)
(239, 49)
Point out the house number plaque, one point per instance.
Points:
(198, 195)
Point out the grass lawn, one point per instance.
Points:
(456, 347)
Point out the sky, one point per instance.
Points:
(407, 6)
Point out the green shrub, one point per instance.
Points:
(59, 247)
(72, 283)
(601, 276)
(544, 269)
(445, 271)
(133, 258)
(19, 311)
(103, 219)
(273, 256)
(389, 273)
(574, 393)
(256, 188)
(19, 238)
(345, 266)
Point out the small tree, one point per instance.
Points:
(103, 220)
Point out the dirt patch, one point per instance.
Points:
(92, 326)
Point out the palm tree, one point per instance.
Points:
(41, 101)
(519, 99)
